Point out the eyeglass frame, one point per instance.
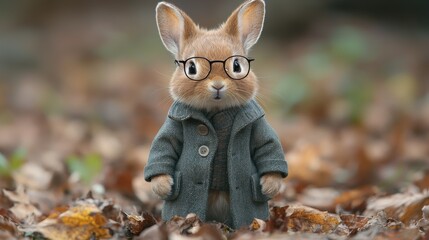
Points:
(249, 60)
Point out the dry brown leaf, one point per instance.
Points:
(33, 176)
(423, 181)
(424, 222)
(8, 214)
(135, 224)
(355, 200)
(307, 165)
(415, 148)
(82, 221)
(377, 224)
(307, 219)
(301, 218)
(119, 177)
(158, 232)
(258, 225)
(209, 232)
(402, 234)
(188, 225)
(406, 207)
(353, 222)
(319, 198)
(22, 207)
(278, 220)
(8, 226)
(107, 144)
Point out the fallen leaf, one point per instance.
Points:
(257, 225)
(158, 231)
(355, 200)
(307, 165)
(8, 226)
(301, 218)
(135, 224)
(377, 224)
(188, 225)
(119, 177)
(33, 176)
(278, 220)
(307, 219)
(22, 207)
(107, 144)
(402, 234)
(353, 222)
(8, 214)
(423, 181)
(424, 222)
(209, 232)
(319, 198)
(406, 207)
(83, 220)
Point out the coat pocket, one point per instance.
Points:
(175, 189)
(257, 194)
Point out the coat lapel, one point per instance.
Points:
(247, 114)
(181, 112)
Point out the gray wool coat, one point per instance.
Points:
(253, 150)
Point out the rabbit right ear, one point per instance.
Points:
(174, 26)
(246, 22)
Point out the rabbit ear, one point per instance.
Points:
(246, 22)
(174, 26)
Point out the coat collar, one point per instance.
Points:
(248, 113)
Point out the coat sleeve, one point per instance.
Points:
(166, 150)
(267, 152)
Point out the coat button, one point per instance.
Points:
(203, 151)
(202, 129)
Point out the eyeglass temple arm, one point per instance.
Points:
(178, 61)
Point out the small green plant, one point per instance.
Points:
(87, 167)
(15, 161)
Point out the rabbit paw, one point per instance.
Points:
(271, 183)
(161, 185)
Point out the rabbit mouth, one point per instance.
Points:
(217, 97)
(217, 90)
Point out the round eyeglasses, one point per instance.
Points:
(198, 68)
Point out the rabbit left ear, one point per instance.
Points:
(246, 22)
(174, 26)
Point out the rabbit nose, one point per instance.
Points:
(218, 88)
(217, 85)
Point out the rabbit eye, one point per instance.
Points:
(236, 66)
(192, 69)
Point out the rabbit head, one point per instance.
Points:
(219, 88)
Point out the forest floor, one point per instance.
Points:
(350, 103)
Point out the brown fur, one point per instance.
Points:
(214, 45)
(185, 39)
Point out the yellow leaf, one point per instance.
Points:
(305, 218)
(79, 222)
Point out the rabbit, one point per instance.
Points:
(221, 54)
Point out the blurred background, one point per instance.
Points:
(84, 89)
